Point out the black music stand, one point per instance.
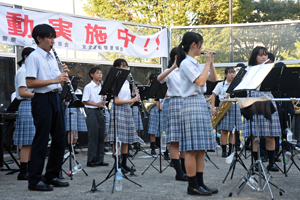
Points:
(236, 157)
(71, 153)
(158, 91)
(12, 108)
(111, 87)
(65, 93)
(266, 109)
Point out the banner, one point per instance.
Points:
(80, 34)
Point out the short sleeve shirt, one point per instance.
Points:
(91, 93)
(220, 89)
(20, 81)
(173, 83)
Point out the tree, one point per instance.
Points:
(169, 12)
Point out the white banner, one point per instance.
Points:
(80, 34)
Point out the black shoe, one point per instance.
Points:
(278, 160)
(272, 168)
(264, 159)
(212, 190)
(211, 150)
(41, 186)
(224, 154)
(181, 178)
(167, 157)
(153, 152)
(128, 169)
(200, 191)
(91, 164)
(101, 164)
(124, 171)
(129, 154)
(22, 177)
(56, 182)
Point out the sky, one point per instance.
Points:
(62, 6)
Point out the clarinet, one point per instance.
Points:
(74, 97)
(142, 109)
(104, 114)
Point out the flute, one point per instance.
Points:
(74, 97)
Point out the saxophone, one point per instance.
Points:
(222, 109)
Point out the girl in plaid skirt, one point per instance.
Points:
(172, 77)
(267, 128)
(125, 128)
(196, 129)
(25, 129)
(228, 121)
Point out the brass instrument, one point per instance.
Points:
(296, 107)
(149, 105)
(222, 109)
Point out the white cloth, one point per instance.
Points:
(173, 83)
(221, 88)
(124, 93)
(43, 66)
(91, 93)
(20, 81)
(190, 70)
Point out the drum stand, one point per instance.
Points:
(262, 174)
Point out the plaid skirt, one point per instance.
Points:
(77, 120)
(228, 120)
(196, 127)
(164, 116)
(136, 115)
(154, 122)
(125, 128)
(265, 127)
(107, 119)
(24, 129)
(174, 119)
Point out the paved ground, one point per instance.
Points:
(155, 185)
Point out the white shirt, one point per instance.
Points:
(190, 70)
(12, 96)
(20, 81)
(125, 93)
(173, 83)
(42, 66)
(221, 88)
(91, 93)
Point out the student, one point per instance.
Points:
(25, 129)
(125, 128)
(77, 121)
(268, 129)
(172, 77)
(196, 129)
(43, 74)
(94, 105)
(153, 127)
(228, 121)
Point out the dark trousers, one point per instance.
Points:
(96, 132)
(48, 118)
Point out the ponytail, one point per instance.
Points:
(26, 51)
(184, 47)
(173, 53)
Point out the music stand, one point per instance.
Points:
(158, 91)
(71, 153)
(12, 109)
(266, 109)
(112, 86)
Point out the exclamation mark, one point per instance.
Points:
(146, 44)
(157, 42)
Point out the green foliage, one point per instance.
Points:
(6, 48)
(274, 10)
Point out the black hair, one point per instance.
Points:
(26, 51)
(255, 52)
(271, 57)
(173, 53)
(93, 70)
(152, 76)
(43, 31)
(119, 62)
(227, 70)
(241, 65)
(184, 47)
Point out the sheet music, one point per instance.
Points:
(254, 76)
